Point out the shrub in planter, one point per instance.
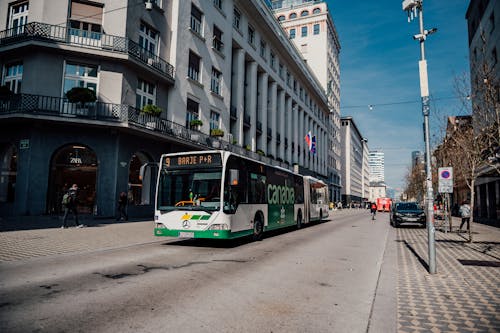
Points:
(195, 123)
(152, 110)
(81, 95)
(216, 132)
(260, 152)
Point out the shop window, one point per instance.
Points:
(8, 173)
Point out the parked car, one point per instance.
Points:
(407, 212)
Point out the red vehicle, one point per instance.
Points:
(384, 204)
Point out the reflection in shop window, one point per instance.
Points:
(8, 174)
(139, 180)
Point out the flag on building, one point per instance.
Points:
(311, 142)
(313, 145)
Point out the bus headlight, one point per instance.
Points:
(160, 226)
(219, 227)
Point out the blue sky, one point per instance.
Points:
(379, 65)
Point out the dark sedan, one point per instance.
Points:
(407, 212)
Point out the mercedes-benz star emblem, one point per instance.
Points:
(185, 224)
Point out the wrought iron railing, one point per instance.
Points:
(37, 105)
(81, 38)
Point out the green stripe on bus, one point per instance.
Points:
(214, 234)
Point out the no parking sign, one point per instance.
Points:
(445, 180)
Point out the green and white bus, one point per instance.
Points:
(222, 195)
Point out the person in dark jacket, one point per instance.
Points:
(122, 207)
(70, 202)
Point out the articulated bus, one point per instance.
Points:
(222, 195)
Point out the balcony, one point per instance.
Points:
(35, 31)
(115, 115)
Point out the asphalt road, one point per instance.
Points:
(323, 278)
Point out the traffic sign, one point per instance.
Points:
(445, 180)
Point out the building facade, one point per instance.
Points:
(483, 21)
(352, 163)
(221, 75)
(376, 164)
(310, 27)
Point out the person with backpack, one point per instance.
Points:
(465, 214)
(69, 203)
(122, 207)
(373, 210)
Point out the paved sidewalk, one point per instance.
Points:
(464, 294)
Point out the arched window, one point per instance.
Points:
(304, 13)
(8, 173)
(140, 179)
(281, 18)
(73, 164)
(292, 16)
(316, 11)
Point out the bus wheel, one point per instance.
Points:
(321, 215)
(258, 229)
(299, 220)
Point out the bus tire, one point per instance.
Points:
(299, 220)
(258, 229)
(321, 215)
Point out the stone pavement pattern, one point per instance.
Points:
(464, 294)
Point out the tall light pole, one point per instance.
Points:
(414, 8)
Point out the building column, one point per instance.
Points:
(300, 141)
(251, 101)
(272, 114)
(238, 89)
(263, 84)
(288, 130)
(295, 125)
(281, 120)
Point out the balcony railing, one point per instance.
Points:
(119, 114)
(59, 34)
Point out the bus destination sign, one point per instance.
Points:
(193, 161)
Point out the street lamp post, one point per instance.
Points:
(414, 8)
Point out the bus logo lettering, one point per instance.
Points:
(280, 195)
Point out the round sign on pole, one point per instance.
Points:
(445, 180)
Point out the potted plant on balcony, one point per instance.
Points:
(216, 132)
(152, 110)
(80, 97)
(196, 124)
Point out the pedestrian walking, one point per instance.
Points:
(122, 207)
(465, 214)
(70, 203)
(373, 210)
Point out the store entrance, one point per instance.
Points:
(73, 164)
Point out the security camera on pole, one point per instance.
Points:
(414, 8)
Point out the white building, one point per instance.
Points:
(227, 63)
(352, 166)
(310, 27)
(376, 164)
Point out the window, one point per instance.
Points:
(13, 77)
(304, 13)
(217, 39)
(263, 49)
(281, 18)
(303, 31)
(8, 169)
(218, 4)
(196, 17)
(18, 17)
(316, 29)
(215, 85)
(292, 16)
(148, 38)
(251, 35)
(316, 11)
(85, 20)
(236, 19)
(292, 33)
(145, 93)
(272, 60)
(214, 120)
(194, 66)
(192, 111)
(280, 70)
(80, 75)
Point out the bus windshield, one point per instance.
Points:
(190, 190)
